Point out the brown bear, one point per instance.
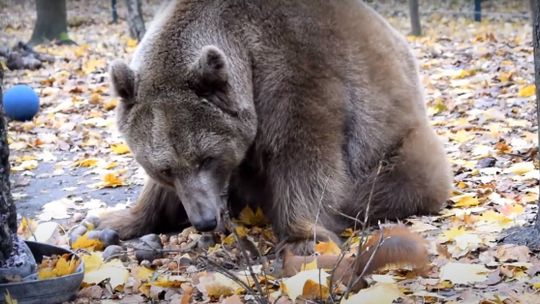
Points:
(312, 109)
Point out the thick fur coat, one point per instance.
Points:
(310, 108)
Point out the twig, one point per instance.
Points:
(246, 257)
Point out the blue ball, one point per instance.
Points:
(21, 102)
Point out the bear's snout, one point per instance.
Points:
(206, 225)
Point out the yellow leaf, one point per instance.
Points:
(91, 65)
(313, 290)
(229, 240)
(112, 180)
(250, 218)
(512, 209)
(114, 271)
(63, 267)
(462, 273)
(439, 106)
(465, 200)
(25, 165)
(216, 285)
(92, 261)
(120, 149)
(294, 286)
(170, 281)
(329, 248)
(309, 266)
(505, 76)
(83, 242)
(110, 165)
(26, 228)
(455, 232)
(86, 163)
(46, 273)
(241, 231)
(492, 216)
(132, 43)
(110, 105)
(8, 298)
(465, 73)
(380, 293)
(461, 136)
(347, 233)
(536, 285)
(142, 273)
(527, 91)
(521, 168)
(95, 98)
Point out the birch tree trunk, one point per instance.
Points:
(135, 19)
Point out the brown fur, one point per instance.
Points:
(289, 104)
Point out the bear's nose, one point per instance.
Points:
(206, 225)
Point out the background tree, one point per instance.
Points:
(135, 19)
(51, 22)
(416, 27)
(8, 215)
(535, 7)
(530, 236)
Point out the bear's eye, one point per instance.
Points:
(166, 172)
(206, 163)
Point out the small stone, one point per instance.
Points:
(173, 240)
(91, 292)
(151, 238)
(106, 236)
(206, 241)
(148, 247)
(191, 269)
(92, 219)
(164, 238)
(114, 251)
(109, 237)
(185, 260)
(146, 263)
(77, 217)
(486, 162)
(77, 232)
(172, 265)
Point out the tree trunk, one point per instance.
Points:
(135, 19)
(416, 27)
(114, 12)
(51, 22)
(8, 215)
(478, 10)
(535, 15)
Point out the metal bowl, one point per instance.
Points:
(48, 291)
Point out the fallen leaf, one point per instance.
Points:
(527, 91)
(329, 248)
(83, 242)
(120, 149)
(380, 293)
(462, 273)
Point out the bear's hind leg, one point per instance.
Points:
(157, 210)
(416, 181)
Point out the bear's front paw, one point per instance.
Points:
(122, 222)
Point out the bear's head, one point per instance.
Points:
(188, 129)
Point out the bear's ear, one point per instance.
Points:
(210, 72)
(123, 80)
